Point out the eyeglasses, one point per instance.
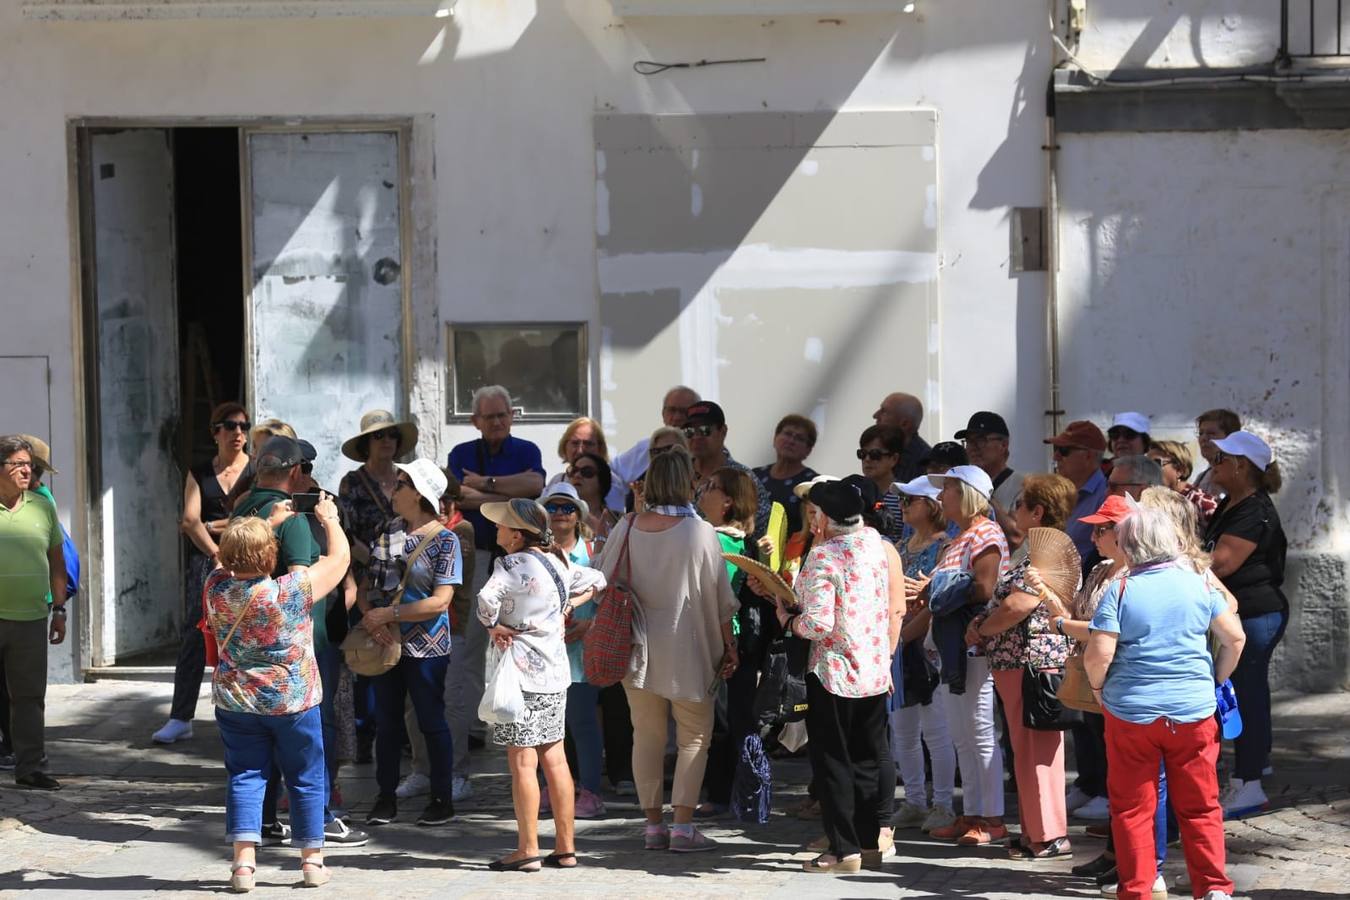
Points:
(580, 442)
(794, 436)
(909, 501)
(493, 417)
(875, 454)
(231, 425)
(388, 434)
(22, 464)
(1164, 461)
(1099, 530)
(692, 431)
(583, 471)
(560, 509)
(1220, 456)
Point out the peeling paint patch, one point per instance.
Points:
(601, 209)
(695, 200)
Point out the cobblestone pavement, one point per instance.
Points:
(135, 819)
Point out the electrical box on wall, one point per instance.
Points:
(1028, 251)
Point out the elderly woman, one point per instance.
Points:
(879, 448)
(848, 589)
(593, 479)
(205, 515)
(923, 718)
(1248, 546)
(1129, 434)
(1210, 426)
(1176, 462)
(683, 600)
(1018, 632)
(662, 439)
(1149, 665)
(978, 553)
(414, 567)
(533, 590)
(266, 687)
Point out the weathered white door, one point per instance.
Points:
(138, 487)
(326, 323)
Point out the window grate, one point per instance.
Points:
(1313, 29)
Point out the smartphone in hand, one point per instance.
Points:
(306, 502)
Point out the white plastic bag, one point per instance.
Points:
(503, 702)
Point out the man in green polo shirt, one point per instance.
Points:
(32, 568)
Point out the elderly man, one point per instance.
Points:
(32, 568)
(631, 464)
(494, 467)
(1078, 457)
(706, 430)
(905, 411)
(986, 441)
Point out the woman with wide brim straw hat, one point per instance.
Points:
(534, 588)
(365, 494)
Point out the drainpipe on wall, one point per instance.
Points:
(1051, 148)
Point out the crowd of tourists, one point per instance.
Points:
(940, 612)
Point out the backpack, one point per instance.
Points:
(752, 787)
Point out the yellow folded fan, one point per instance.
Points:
(768, 577)
(777, 531)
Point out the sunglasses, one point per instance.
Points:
(1067, 451)
(583, 471)
(911, 501)
(1099, 530)
(874, 454)
(1220, 456)
(691, 431)
(307, 468)
(560, 509)
(657, 451)
(231, 425)
(388, 434)
(401, 484)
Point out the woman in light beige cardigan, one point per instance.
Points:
(683, 606)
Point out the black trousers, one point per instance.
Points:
(187, 672)
(848, 743)
(617, 723)
(1089, 752)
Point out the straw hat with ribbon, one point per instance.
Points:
(379, 420)
(41, 453)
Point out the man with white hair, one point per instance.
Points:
(494, 467)
(631, 464)
(905, 411)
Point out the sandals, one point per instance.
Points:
(1057, 847)
(838, 866)
(556, 860)
(242, 883)
(524, 864)
(315, 874)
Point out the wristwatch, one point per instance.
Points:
(59, 609)
(492, 483)
(1059, 624)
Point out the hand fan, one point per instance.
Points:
(1056, 559)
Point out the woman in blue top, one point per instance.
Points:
(1148, 662)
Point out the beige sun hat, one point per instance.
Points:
(41, 452)
(519, 513)
(379, 420)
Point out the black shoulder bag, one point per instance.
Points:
(1041, 707)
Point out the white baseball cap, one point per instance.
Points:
(919, 487)
(972, 475)
(804, 488)
(1244, 443)
(1135, 421)
(427, 479)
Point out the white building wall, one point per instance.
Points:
(512, 87)
(1179, 34)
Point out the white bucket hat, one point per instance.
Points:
(566, 490)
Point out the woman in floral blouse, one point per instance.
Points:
(1017, 627)
(852, 594)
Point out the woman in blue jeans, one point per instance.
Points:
(266, 687)
(414, 567)
(1248, 545)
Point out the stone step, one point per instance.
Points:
(134, 673)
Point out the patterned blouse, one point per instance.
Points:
(438, 565)
(268, 666)
(845, 613)
(960, 552)
(526, 594)
(1009, 649)
(363, 516)
(1090, 595)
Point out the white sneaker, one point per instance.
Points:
(1245, 800)
(1234, 785)
(1075, 798)
(460, 789)
(415, 785)
(939, 816)
(909, 815)
(625, 789)
(1159, 891)
(173, 730)
(1096, 810)
(1218, 895)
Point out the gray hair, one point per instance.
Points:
(1140, 469)
(834, 527)
(681, 389)
(1184, 517)
(490, 392)
(13, 443)
(1148, 535)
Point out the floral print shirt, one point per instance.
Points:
(843, 588)
(363, 516)
(526, 593)
(268, 666)
(1030, 640)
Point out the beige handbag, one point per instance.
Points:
(362, 653)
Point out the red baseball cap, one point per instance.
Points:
(1112, 510)
(1080, 434)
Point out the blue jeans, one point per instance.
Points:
(583, 723)
(1251, 682)
(422, 680)
(251, 741)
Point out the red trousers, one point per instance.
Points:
(1191, 752)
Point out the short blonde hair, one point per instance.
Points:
(670, 479)
(1180, 455)
(248, 547)
(600, 446)
(1054, 494)
(973, 503)
(266, 429)
(665, 431)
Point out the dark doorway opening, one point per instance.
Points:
(209, 256)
